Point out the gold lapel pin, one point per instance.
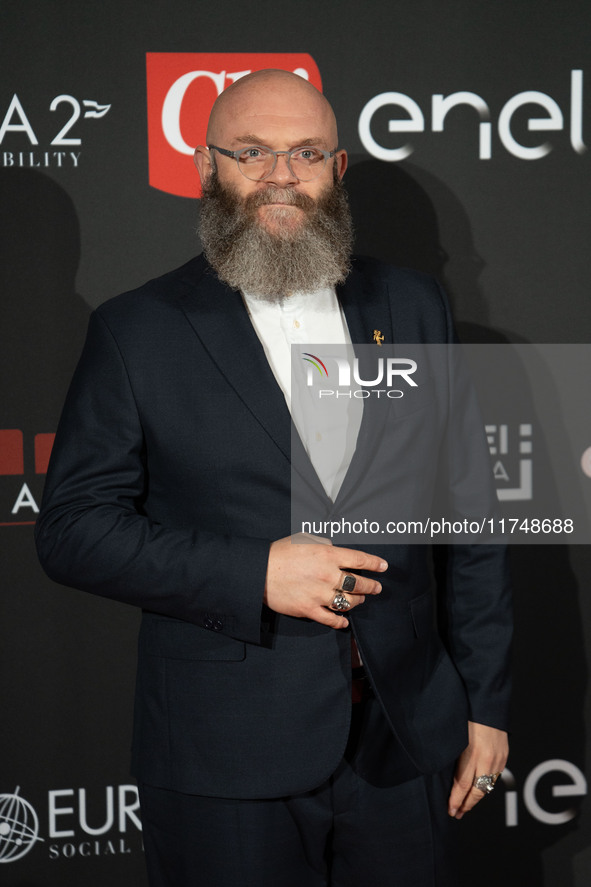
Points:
(378, 337)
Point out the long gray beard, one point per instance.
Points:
(249, 258)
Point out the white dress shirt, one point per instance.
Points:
(328, 428)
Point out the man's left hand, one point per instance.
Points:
(486, 753)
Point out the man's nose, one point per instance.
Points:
(282, 176)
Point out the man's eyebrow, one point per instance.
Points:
(250, 139)
(306, 142)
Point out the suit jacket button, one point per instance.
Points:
(208, 622)
(218, 625)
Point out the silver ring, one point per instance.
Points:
(486, 783)
(340, 602)
(348, 583)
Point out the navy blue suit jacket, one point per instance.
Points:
(169, 478)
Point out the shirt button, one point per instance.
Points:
(296, 324)
(218, 625)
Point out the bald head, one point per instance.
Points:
(274, 96)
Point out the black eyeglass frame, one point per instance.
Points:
(236, 156)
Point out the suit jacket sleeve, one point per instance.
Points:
(92, 532)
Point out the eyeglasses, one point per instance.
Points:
(257, 162)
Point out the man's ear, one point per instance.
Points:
(341, 162)
(202, 160)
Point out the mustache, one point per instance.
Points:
(285, 196)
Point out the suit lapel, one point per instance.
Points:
(366, 304)
(220, 320)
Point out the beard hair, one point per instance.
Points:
(268, 265)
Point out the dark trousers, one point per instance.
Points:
(362, 827)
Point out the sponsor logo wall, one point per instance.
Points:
(413, 120)
(59, 151)
(64, 828)
(468, 138)
(19, 502)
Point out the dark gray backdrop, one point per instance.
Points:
(507, 235)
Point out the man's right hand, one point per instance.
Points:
(305, 572)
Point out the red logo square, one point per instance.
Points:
(12, 460)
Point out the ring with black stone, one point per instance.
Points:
(348, 583)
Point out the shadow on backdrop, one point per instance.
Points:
(42, 318)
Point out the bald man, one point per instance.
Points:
(266, 754)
